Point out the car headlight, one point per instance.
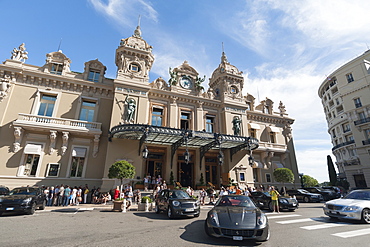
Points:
(176, 203)
(27, 200)
(284, 201)
(351, 208)
(214, 218)
(261, 220)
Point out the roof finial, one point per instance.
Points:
(223, 57)
(137, 32)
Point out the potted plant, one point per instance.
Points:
(121, 170)
(139, 185)
(201, 183)
(141, 206)
(172, 181)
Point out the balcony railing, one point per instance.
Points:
(343, 144)
(362, 121)
(60, 123)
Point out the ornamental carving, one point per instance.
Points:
(4, 87)
(20, 53)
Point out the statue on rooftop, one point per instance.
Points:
(20, 53)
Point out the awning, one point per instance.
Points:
(274, 129)
(257, 164)
(254, 126)
(79, 152)
(276, 165)
(33, 149)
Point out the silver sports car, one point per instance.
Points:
(354, 206)
(236, 217)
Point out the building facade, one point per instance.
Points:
(64, 127)
(345, 96)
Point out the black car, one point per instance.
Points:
(4, 190)
(305, 196)
(23, 200)
(263, 200)
(326, 194)
(237, 217)
(176, 203)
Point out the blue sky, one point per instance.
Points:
(284, 48)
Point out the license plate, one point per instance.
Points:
(237, 238)
(9, 209)
(189, 209)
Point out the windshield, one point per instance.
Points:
(359, 195)
(23, 191)
(235, 201)
(179, 194)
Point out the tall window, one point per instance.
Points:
(346, 127)
(210, 121)
(185, 120)
(367, 133)
(47, 104)
(32, 162)
(252, 133)
(87, 111)
(357, 102)
(272, 137)
(362, 115)
(56, 68)
(78, 161)
(268, 177)
(94, 76)
(349, 77)
(157, 116)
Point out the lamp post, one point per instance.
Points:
(220, 156)
(301, 177)
(145, 152)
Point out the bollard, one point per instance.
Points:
(124, 206)
(146, 205)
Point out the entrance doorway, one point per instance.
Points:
(155, 163)
(186, 170)
(211, 170)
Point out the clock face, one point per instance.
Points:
(185, 82)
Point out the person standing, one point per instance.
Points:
(274, 199)
(202, 194)
(86, 192)
(67, 193)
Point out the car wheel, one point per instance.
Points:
(42, 207)
(306, 199)
(32, 210)
(270, 207)
(157, 211)
(365, 217)
(169, 213)
(206, 229)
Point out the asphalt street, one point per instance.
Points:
(97, 225)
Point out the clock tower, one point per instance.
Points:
(184, 78)
(227, 82)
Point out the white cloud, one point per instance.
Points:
(125, 12)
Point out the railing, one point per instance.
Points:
(343, 144)
(362, 121)
(58, 121)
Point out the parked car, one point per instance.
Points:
(305, 196)
(177, 203)
(4, 190)
(337, 190)
(23, 200)
(263, 200)
(355, 206)
(237, 217)
(326, 193)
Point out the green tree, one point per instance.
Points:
(332, 172)
(121, 170)
(283, 175)
(309, 181)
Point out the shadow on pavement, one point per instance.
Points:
(161, 216)
(194, 232)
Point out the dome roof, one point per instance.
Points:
(226, 67)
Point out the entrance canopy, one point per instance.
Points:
(180, 137)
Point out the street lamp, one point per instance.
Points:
(220, 157)
(301, 177)
(145, 152)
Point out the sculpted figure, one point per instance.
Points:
(20, 53)
(173, 77)
(237, 125)
(131, 107)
